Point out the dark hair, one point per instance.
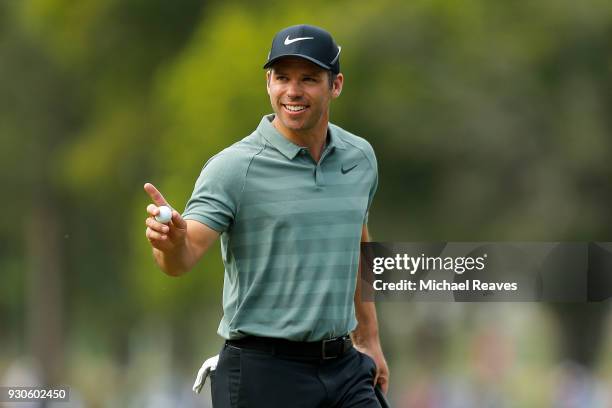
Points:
(332, 78)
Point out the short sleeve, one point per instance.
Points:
(216, 194)
(372, 158)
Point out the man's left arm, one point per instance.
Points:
(365, 336)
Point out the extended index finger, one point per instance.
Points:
(156, 196)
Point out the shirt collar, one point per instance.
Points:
(286, 146)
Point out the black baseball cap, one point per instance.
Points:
(306, 41)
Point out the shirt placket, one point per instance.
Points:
(318, 172)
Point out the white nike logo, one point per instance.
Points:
(292, 40)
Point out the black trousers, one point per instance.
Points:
(247, 378)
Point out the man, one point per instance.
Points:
(290, 202)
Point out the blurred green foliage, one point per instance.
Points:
(491, 121)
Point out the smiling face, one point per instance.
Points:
(300, 94)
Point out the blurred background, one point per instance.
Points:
(491, 121)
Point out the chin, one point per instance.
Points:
(292, 124)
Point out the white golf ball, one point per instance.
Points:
(165, 214)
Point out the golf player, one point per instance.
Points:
(290, 203)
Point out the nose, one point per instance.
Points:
(294, 90)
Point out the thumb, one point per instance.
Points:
(178, 221)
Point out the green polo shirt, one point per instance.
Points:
(290, 231)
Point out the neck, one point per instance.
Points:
(313, 139)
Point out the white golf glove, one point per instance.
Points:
(208, 366)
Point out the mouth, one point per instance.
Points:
(295, 109)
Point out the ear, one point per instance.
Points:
(268, 76)
(337, 85)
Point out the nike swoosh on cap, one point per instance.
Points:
(292, 40)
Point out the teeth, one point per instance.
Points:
(294, 108)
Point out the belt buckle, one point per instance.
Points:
(323, 355)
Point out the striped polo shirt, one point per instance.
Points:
(290, 231)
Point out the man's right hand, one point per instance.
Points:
(164, 237)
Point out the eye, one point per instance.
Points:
(310, 79)
(281, 78)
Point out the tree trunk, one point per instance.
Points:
(44, 289)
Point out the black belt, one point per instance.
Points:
(324, 349)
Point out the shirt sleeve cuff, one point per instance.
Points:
(217, 226)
